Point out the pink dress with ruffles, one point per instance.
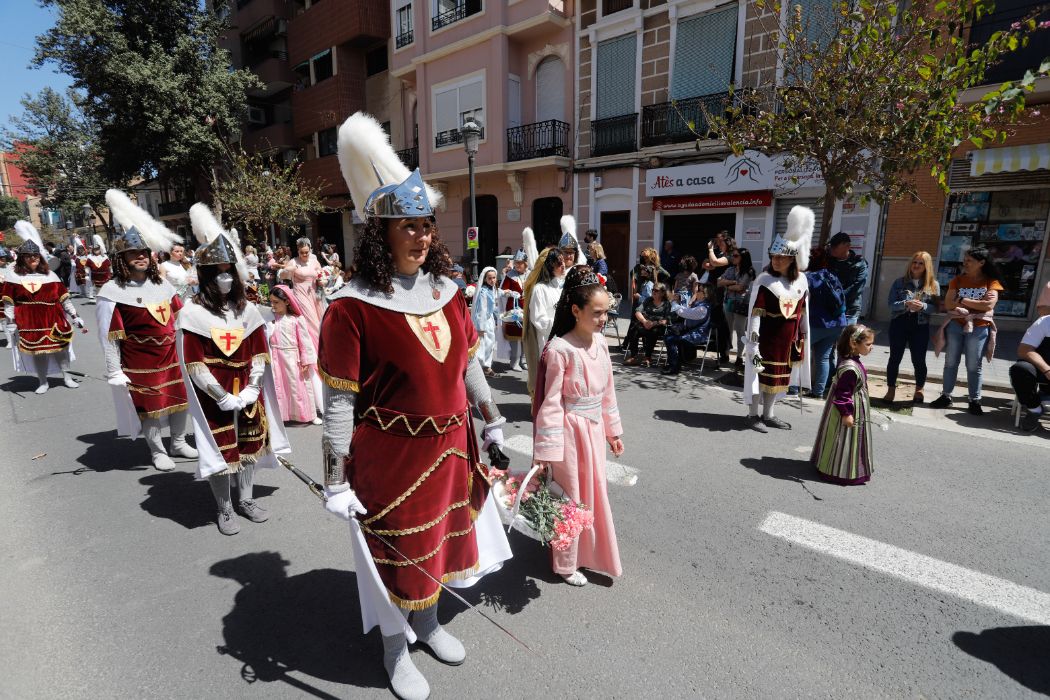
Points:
(304, 283)
(573, 412)
(290, 347)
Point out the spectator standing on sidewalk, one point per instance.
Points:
(970, 328)
(911, 302)
(827, 318)
(718, 261)
(1030, 375)
(736, 284)
(852, 271)
(670, 258)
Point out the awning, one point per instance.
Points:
(1010, 160)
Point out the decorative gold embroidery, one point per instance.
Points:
(151, 339)
(164, 411)
(474, 349)
(424, 526)
(431, 599)
(151, 370)
(417, 560)
(115, 335)
(151, 389)
(457, 419)
(341, 384)
(422, 477)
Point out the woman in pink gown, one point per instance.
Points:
(303, 271)
(574, 415)
(293, 358)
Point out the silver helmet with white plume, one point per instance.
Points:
(97, 242)
(141, 230)
(798, 238)
(215, 245)
(32, 243)
(380, 184)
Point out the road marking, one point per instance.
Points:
(615, 472)
(989, 591)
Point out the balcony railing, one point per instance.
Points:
(611, 6)
(452, 136)
(172, 208)
(539, 140)
(462, 10)
(404, 39)
(410, 157)
(614, 135)
(668, 122)
(254, 58)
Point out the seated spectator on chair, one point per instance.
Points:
(649, 324)
(694, 330)
(1030, 375)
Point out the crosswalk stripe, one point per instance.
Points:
(982, 589)
(615, 472)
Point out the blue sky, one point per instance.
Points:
(23, 21)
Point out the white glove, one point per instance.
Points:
(78, 322)
(343, 503)
(118, 379)
(750, 350)
(512, 294)
(493, 435)
(230, 403)
(249, 395)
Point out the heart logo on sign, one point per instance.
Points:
(743, 171)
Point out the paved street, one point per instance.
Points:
(745, 576)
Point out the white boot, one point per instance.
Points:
(446, 648)
(178, 422)
(405, 679)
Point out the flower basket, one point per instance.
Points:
(537, 507)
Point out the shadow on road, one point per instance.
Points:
(22, 384)
(1019, 652)
(106, 452)
(309, 623)
(798, 470)
(714, 422)
(179, 497)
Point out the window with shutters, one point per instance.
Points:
(403, 35)
(324, 68)
(615, 125)
(705, 53)
(327, 142)
(454, 104)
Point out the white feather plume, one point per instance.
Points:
(96, 241)
(206, 228)
(568, 225)
(799, 234)
(242, 264)
(364, 149)
(528, 240)
(128, 214)
(27, 232)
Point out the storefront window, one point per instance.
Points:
(1011, 224)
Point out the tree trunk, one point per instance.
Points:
(830, 200)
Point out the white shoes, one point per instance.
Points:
(183, 449)
(316, 421)
(42, 389)
(163, 463)
(576, 578)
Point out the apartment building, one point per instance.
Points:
(642, 178)
(508, 64)
(319, 62)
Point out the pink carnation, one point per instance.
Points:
(1045, 24)
(1015, 25)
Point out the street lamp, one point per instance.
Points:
(471, 133)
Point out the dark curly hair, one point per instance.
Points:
(22, 269)
(374, 261)
(209, 295)
(121, 271)
(572, 294)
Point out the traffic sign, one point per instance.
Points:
(472, 237)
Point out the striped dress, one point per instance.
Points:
(841, 454)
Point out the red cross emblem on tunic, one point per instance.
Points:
(433, 332)
(32, 287)
(227, 339)
(788, 306)
(160, 311)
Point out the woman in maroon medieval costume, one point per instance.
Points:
(226, 368)
(396, 351)
(136, 315)
(98, 267)
(39, 312)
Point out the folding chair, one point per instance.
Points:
(614, 316)
(711, 338)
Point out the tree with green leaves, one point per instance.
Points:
(154, 81)
(56, 148)
(10, 211)
(261, 190)
(874, 91)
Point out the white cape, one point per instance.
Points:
(800, 375)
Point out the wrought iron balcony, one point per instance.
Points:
(611, 6)
(462, 10)
(539, 140)
(614, 135)
(668, 122)
(404, 39)
(452, 136)
(410, 157)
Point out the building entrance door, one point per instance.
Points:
(691, 232)
(615, 236)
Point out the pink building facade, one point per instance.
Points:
(509, 65)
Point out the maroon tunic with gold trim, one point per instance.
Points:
(780, 341)
(100, 272)
(149, 358)
(80, 271)
(513, 331)
(42, 324)
(413, 457)
(252, 437)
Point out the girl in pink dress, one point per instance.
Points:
(303, 271)
(293, 359)
(574, 415)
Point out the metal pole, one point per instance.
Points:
(473, 219)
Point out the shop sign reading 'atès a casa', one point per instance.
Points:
(749, 172)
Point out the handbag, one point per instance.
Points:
(735, 305)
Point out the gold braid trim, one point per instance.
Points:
(164, 411)
(340, 384)
(264, 355)
(152, 389)
(473, 349)
(422, 477)
(7, 300)
(63, 297)
(150, 339)
(424, 526)
(128, 370)
(118, 335)
(236, 364)
(402, 417)
(417, 560)
(197, 368)
(35, 303)
(432, 599)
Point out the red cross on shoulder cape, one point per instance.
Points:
(789, 294)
